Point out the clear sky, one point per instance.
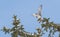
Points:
(24, 10)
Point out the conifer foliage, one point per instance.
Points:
(46, 25)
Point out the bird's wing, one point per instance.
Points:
(38, 14)
(39, 10)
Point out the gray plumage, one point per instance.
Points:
(38, 14)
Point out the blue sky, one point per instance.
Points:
(24, 10)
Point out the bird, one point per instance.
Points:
(38, 14)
